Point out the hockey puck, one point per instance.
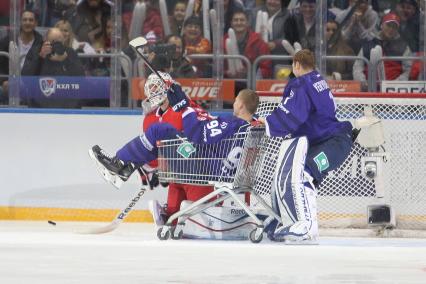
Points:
(51, 223)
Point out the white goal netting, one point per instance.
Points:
(344, 195)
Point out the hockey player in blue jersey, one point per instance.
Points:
(317, 144)
(199, 129)
(216, 222)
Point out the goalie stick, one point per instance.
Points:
(140, 42)
(125, 212)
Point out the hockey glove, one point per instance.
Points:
(152, 180)
(177, 98)
(149, 177)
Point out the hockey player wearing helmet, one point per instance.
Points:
(143, 148)
(157, 110)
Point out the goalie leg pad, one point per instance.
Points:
(290, 192)
(302, 231)
(287, 198)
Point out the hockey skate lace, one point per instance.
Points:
(104, 155)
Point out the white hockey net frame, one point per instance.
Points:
(344, 195)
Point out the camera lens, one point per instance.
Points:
(370, 170)
(58, 48)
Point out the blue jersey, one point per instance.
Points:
(307, 109)
(201, 130)
(203, 161)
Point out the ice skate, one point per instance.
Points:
(113, 170)
(270, 225)
(300, 233)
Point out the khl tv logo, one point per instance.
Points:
(47, 86)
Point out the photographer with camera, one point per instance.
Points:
(180, 64)
(169, 57)
(57, 59)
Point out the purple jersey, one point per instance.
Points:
(307, 109)
(201, 130)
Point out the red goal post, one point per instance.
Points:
(344, 195)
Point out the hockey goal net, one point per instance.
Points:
(343, 197)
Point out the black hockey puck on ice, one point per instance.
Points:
(51, 223)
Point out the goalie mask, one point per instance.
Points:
(155, 89)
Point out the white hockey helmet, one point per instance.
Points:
(155, 89)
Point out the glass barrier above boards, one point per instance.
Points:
(64, 92)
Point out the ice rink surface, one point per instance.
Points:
(37, 252)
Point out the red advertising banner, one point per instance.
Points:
(335, 86)
(197, 89)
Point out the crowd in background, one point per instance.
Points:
(53, 32)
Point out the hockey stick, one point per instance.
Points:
(124, 213)
(140, 42)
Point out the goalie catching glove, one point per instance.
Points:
(177, 98)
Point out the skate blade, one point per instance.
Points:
(105, 173)
(301, 242)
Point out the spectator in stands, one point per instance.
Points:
(55, 58)
(250, 44)
(127, 7)
(304, 24)
(102, 45)
(71, 41)
(102, 42)
(336, 45)
(417, 70)
(277, 16)
(410, 23)
(29, 43)
(153, 19)
(4, 13)
(196, 44)
(229, 7)
(39, 7)
(279, 28)
(358, 23)
(180, 65)
(86, 18)
(393, 45)
(56, 10)
(178, 17)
